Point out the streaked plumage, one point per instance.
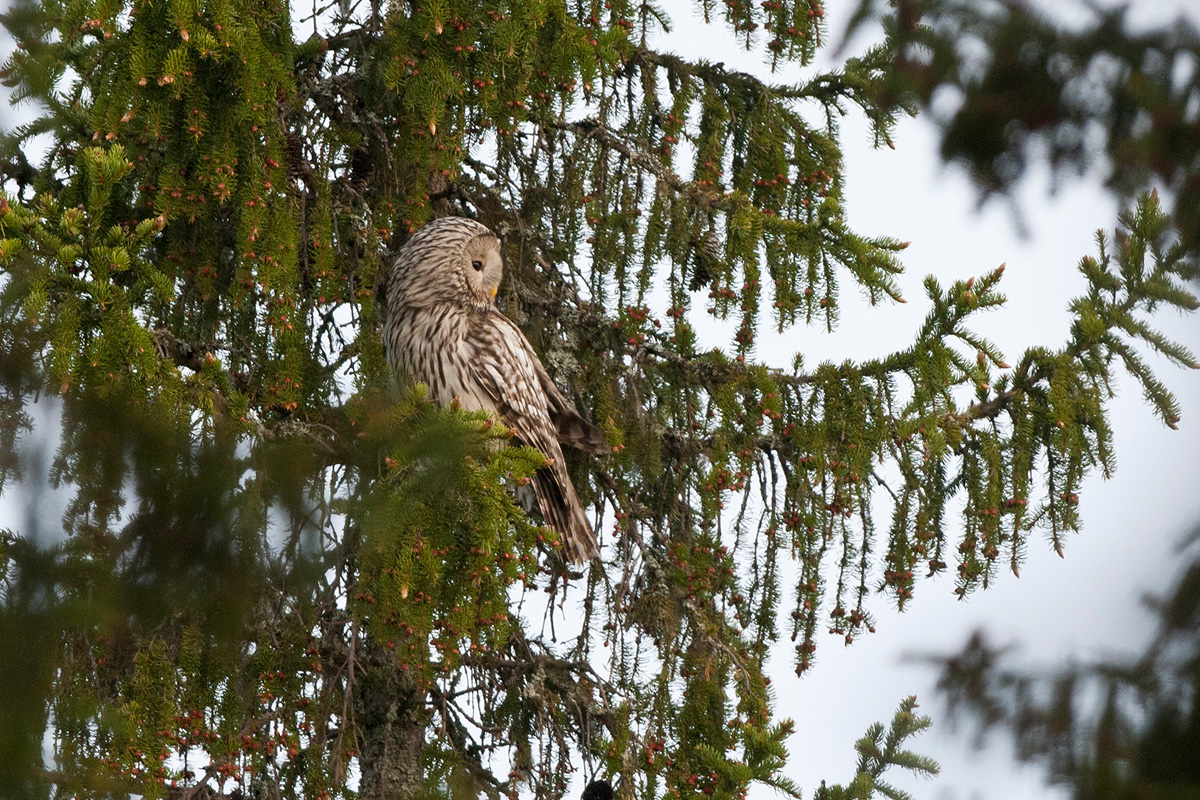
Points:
(443, 329)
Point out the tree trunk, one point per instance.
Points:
(391, 723)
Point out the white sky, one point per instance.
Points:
(1079, 607)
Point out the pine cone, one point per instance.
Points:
(706, 260)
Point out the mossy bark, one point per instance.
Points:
(391, 719)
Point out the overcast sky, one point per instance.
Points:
(1079, 607)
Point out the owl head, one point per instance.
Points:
(450, 260)
(483, 267)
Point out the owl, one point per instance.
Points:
(442, 328)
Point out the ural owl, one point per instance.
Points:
(443, 329)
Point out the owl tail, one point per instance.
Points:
(564, 513)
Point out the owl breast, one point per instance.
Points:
(426, 345)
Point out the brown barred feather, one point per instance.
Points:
(572, 429)
(443, 329)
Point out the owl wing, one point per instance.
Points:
(503, 365)
(569, 426)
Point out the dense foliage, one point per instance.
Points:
(281, 576)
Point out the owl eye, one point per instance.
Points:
(478, 265)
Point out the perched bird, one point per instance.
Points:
(442, 328)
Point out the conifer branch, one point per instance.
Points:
(638, 153)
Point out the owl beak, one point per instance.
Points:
(493, 291)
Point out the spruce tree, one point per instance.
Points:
(279, 575)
